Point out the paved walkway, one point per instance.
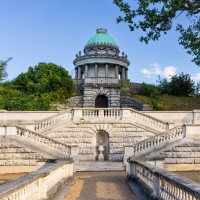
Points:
(101, 186)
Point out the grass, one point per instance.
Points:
(170, 103)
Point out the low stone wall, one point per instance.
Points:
(41, 184)
(178, 117)
(25, 115)
(162, 184)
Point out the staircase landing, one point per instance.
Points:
(86, 166)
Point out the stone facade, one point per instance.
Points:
(83, 130)
(100, 70)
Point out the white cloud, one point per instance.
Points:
(196, 77)
(155, 64)
(169, 71)
(156, 69)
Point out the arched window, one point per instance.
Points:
(101, 101)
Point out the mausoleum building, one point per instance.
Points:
(101, 71)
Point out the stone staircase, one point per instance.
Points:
(128, 102)
(75, 102)
(100, 166)
(36, 142)
(53, 135)
(160, 142)
(12, 155)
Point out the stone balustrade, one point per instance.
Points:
(101, 80)
(161, 184)
(38, 185)
(100, 112)
(43, 140)
(148, 120)
(123, 114)
(50, 121)
(161, 138)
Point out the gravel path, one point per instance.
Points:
(100, 185)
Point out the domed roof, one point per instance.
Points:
(101, 37)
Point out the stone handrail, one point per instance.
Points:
(148, 120)
(50, 121)
(158, 139)
(43, 140)
(161, 184)
(101, 80)
(38, 185)
(101, 112)
(127, 114)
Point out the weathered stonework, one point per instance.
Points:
(84, 135)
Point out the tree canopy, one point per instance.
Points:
(36, 89)
(179, 85)
(3, 73)
(156, 17)
(46, 78)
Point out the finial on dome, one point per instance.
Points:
(101, 30)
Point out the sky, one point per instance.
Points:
(33, 31)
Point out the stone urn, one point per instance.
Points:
(101, 156)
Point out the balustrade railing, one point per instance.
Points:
(115, 113)
(161, 184)
(99, 80)
(151, 142)
(41, 184)
(148, 120)
(50, 121)
(42, 140)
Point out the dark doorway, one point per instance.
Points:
(101, 101)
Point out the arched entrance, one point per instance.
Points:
(102, 138)
(101, 101)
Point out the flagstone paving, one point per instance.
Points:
(100, 185)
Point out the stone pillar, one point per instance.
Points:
(116, 71)
(123, 73)
(96, 70)
(128, 152)
(86, 71)
(126, 73)
(76, 73)
(79, 72)
(106, 65)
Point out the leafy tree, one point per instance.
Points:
(3, 73)
(179, 85)
(47, 79)
(37, 88)
(155, 17)
(149, 90)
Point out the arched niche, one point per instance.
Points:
(102, 138)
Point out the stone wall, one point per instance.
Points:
(84, 135)
(90, 93)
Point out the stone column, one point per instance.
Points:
(106, 65)
(126, 74)
(123, 73)
(96, 70)
(79, 72)
(86, 71)
(76, 73)
(116, 71)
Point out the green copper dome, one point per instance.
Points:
(101, 37)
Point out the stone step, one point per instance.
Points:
(100, 166)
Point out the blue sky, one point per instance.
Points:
(34, 31)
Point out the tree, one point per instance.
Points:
(179, 85)
(46, 79)
(156, 17)
(3, 73)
